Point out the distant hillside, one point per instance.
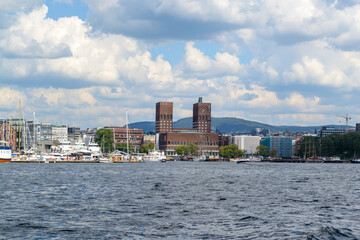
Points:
(146, 126)
(232, 125)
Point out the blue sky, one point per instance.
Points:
(89, 61)
(59, 9)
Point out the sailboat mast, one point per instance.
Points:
(8, 130)
(24, 135)
(11, 143)
(19, 125)
(305, 148)
(34, 132)
(114, 145)
(3, 134)
(127, 134)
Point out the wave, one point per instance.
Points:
(331, 233)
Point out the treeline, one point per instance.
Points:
(340, 145)
(231, 151)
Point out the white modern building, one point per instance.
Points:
(245, 142)
(60, 133)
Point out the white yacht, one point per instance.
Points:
(79, 145)
(65, 146)
(154, 156)
(94, 147)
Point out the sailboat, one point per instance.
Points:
(128, 157)
(125, 157)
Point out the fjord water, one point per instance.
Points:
(180, 200)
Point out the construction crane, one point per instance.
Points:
(347, 121)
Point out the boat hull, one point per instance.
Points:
(2, 160)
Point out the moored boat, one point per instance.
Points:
(154, 156)
(5, 152)
(355, 160)
(250, 159)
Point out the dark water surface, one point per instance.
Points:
(180, 200)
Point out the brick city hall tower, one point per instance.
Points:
(163, 119)
(202, 116)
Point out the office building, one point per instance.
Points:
(326, 131)
(245, 142)
(282, 145)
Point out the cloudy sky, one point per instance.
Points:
(84, 62)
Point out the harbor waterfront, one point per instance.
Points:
(180, 200)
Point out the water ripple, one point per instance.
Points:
(179, 200)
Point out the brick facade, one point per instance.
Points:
(164, 117)
(207, 143)
(202, 116)
(169, 138)
(136, 136)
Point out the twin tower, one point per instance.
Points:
(201, 118)
(169, 138)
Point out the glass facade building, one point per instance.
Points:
(281, 144)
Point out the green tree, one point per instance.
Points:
(146, 147)
(181, 150)
(105, 139)
(122, 147)
(241, 153)
(230, 151)
(192, 149)
(263, 151)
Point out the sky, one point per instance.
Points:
(86, 62)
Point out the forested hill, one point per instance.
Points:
(232, 125)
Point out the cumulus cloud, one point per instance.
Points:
(196, 63)
(37, 45)
(10, 98)
(276, 59)
(313, 71)
(281, 21)
(68, 97)
(8, 8)
(161, 19)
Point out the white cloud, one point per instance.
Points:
(36, 45)
(196, 63)
(10, 98)
(57, 97)
(313, 71)
(8, 8)
(276, 58)
(16, 5)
